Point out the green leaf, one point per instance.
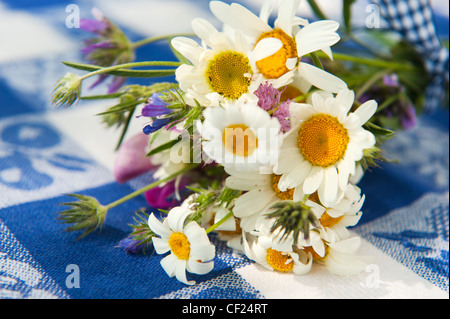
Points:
(316, 60)
(122, 72)
(163, 147)
(378, 130)
(101, 97)
(316, 9)
(125, 128)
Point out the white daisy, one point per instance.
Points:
(261, 250)
(342, 257)
(299, 38)
(242, 136)
(223, 69)
(189, 246)
(335, 219)
(324, 144)
(261, 192)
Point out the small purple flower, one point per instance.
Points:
(391, 80)
(408, 117)
(268, 96)
(132, 246)
(109, 46)
(94, 26)
(156, 125)
(155, 107)
(282, 114)
(100, 25)
(269, 99)
(164, 197)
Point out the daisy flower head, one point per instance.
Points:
(261, 192)
(335, 219)
(298, 36)
(189, 245)
(342, 257)
(325, 142)
(223, 68)
(239, 135)
(272, 257)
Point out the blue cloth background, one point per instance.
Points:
(405, 212)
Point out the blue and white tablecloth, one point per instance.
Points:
(47, 152)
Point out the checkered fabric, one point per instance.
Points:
(413, 19)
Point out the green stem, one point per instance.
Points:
(368, 61)
(220, 222)
(150, 186)
(159, 38)
(316, 9)
(369, 83)
(129, 65)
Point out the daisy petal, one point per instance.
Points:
(157, 227)
(168, 263)
(266, 47)
(180, 272)
(161, 245)
(329, 187)
(224, 13)
(188, 48)
(320, 78)
(286, 13)
(294, 177)
(252, 24)
(345, 99)
(365, 111)
(316, 36)
(313, 181)
(205, 31)
(199, 268)
(251, 202)
(266, 10)
(176, 218)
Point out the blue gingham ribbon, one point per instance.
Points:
(413, 19)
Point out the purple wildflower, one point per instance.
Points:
(132, 246)
(164, 197)
(408, 117)
(269, 99)
(155, 107)
(282, 114)
(155, 125)
(268, 96)
(109, 46)
(391, 80)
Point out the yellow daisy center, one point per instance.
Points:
(227, 74)
(314, 197)
(286, 195)
(279, 261)
(179, 245)
(274, 66)
(323, 140)
(328, 221)
(240, 140)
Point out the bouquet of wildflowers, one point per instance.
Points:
(260, 141)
